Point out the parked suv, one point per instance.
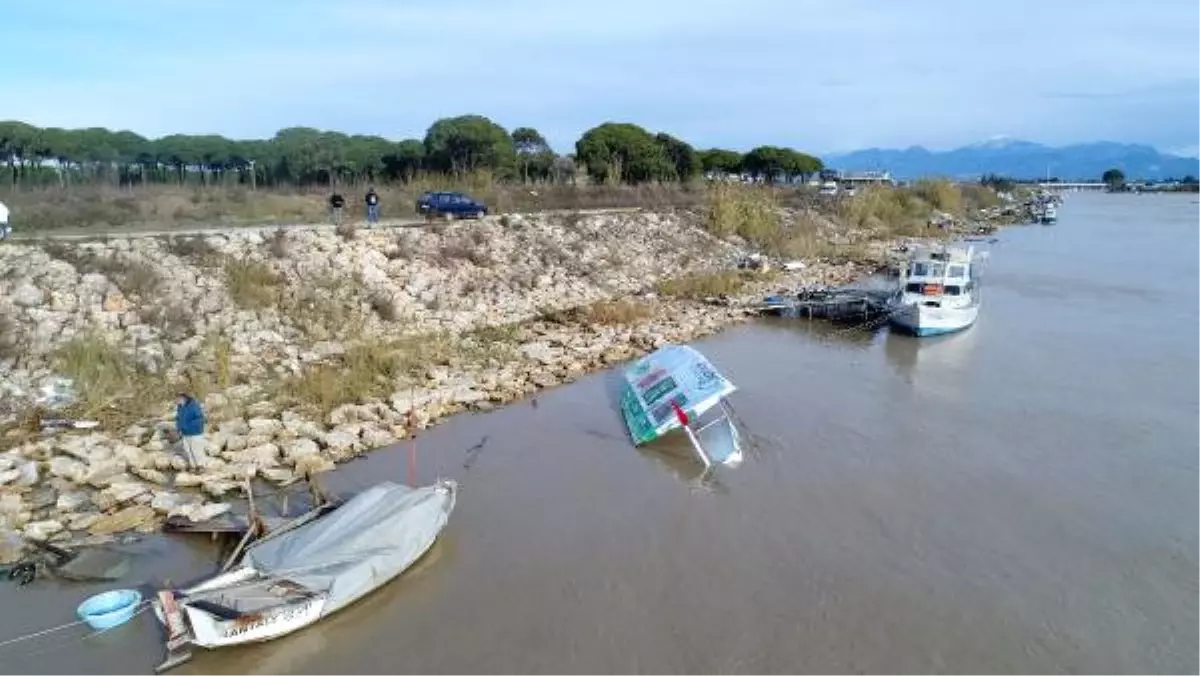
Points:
(450, 205)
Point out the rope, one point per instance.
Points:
(43, 632)
(142, 607)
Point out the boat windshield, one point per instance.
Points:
(925, 269)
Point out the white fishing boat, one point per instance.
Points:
(939, 291)
(1049, 213)
(288, 581)
(676, 387)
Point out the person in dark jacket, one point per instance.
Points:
(372, 205)
(189, 421)
(336, 202)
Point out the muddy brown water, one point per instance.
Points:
(1021, 497)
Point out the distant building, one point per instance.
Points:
(860, 178)
(855, 179)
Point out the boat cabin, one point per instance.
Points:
(940, 272)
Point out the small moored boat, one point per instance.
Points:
(939, 291)
(675, 387)
(290, 580)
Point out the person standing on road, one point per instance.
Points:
(5, 228)
(189, 421)
(336, 202)
(372, 205)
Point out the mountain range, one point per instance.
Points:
(1020, 160)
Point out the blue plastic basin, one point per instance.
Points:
(110, 609)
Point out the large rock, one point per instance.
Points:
(26, 295)
(298, 448)
(129, 518)
(279, 475)
(218, 487)
(341, 444)
(82, 521)
(68, 468)
(119, 493)
(12, 547)
(40, 531)
(373, 437)
(89, 448)
(301, 427)
(72, 501)
(166, 502)
(236, 426)
(105, 472)
(188, 480)
(540, 352)
(201, 512)
(264, 455)
(149, 474)
(307, 465)
(264, 426)
(24, 474)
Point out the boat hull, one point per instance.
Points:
(922, 321)
(299, 607)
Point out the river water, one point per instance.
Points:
(1021, 497)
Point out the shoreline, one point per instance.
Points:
(83, 488)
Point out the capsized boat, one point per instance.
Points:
(288, 581)
(939, 291)
(676, 387)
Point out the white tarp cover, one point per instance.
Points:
(361, 545)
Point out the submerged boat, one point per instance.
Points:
(676, 387)
(939, 291)
(289, 580)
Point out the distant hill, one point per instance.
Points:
(1021, 159)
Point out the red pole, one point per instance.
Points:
(412, 462)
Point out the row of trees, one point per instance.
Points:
(612, 152)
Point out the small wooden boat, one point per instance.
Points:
(291, 579)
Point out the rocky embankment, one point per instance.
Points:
(309, 348)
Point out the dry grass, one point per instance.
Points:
(133, 278)
(471, 248)
(942, 195)
(601, 313)
(107, 207)
(109, 385)
(251, 284)
(347, 230)
(886, 211)
(704, 285)
(325, 306)
(385, 307)
(174, 321)
(751, 213)
(10, 346)
(193, 248)
(365, 371)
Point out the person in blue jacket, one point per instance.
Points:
(189, 421)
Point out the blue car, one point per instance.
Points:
(450, 205)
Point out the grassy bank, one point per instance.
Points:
(734, 209)
(105, 207)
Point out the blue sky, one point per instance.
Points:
(817, 75)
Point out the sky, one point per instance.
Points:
(819, 76)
